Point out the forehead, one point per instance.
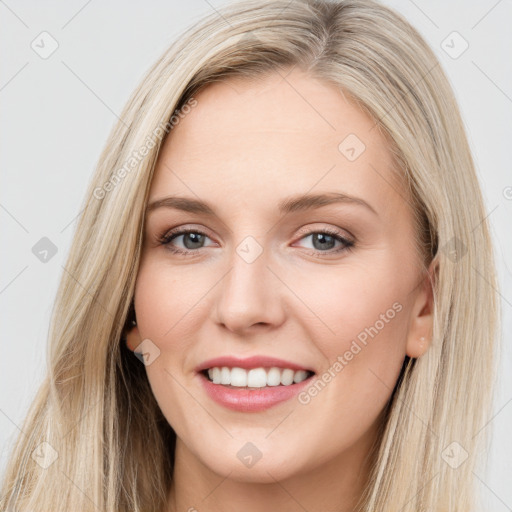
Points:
(274, 137)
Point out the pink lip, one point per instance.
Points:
(249, 363)
(251, 400)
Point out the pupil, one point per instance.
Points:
(197, 238)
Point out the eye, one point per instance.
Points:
(324, 241)
(191, 238)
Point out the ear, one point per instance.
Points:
(420, 332)
(133, 339)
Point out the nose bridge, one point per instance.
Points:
(249, 293)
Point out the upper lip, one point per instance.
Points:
(250, 362)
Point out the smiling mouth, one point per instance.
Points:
(255, 378)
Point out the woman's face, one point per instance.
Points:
(260, 276)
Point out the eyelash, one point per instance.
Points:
(168, 236)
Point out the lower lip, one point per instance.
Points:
(251, 400)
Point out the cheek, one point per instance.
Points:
(364, 357)
(168, 303)
(366, 318)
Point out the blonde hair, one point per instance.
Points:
(95, 407)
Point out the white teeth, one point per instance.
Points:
(238, 377)
(256, 377)
(225, 376)
(287, 377)
(214, 374)
(274, 377)
(300, 376)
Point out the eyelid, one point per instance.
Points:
(342, 233)
(182, 230)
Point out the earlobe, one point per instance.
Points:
(416, 348)
(132, 336)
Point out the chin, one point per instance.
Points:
(269, 467)
(261, 472)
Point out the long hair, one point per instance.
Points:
(95, 439)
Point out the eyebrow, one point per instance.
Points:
(288, 205)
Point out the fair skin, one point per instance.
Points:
(244, 148)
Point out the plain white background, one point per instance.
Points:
(57, 112)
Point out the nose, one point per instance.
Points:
(250, 295)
